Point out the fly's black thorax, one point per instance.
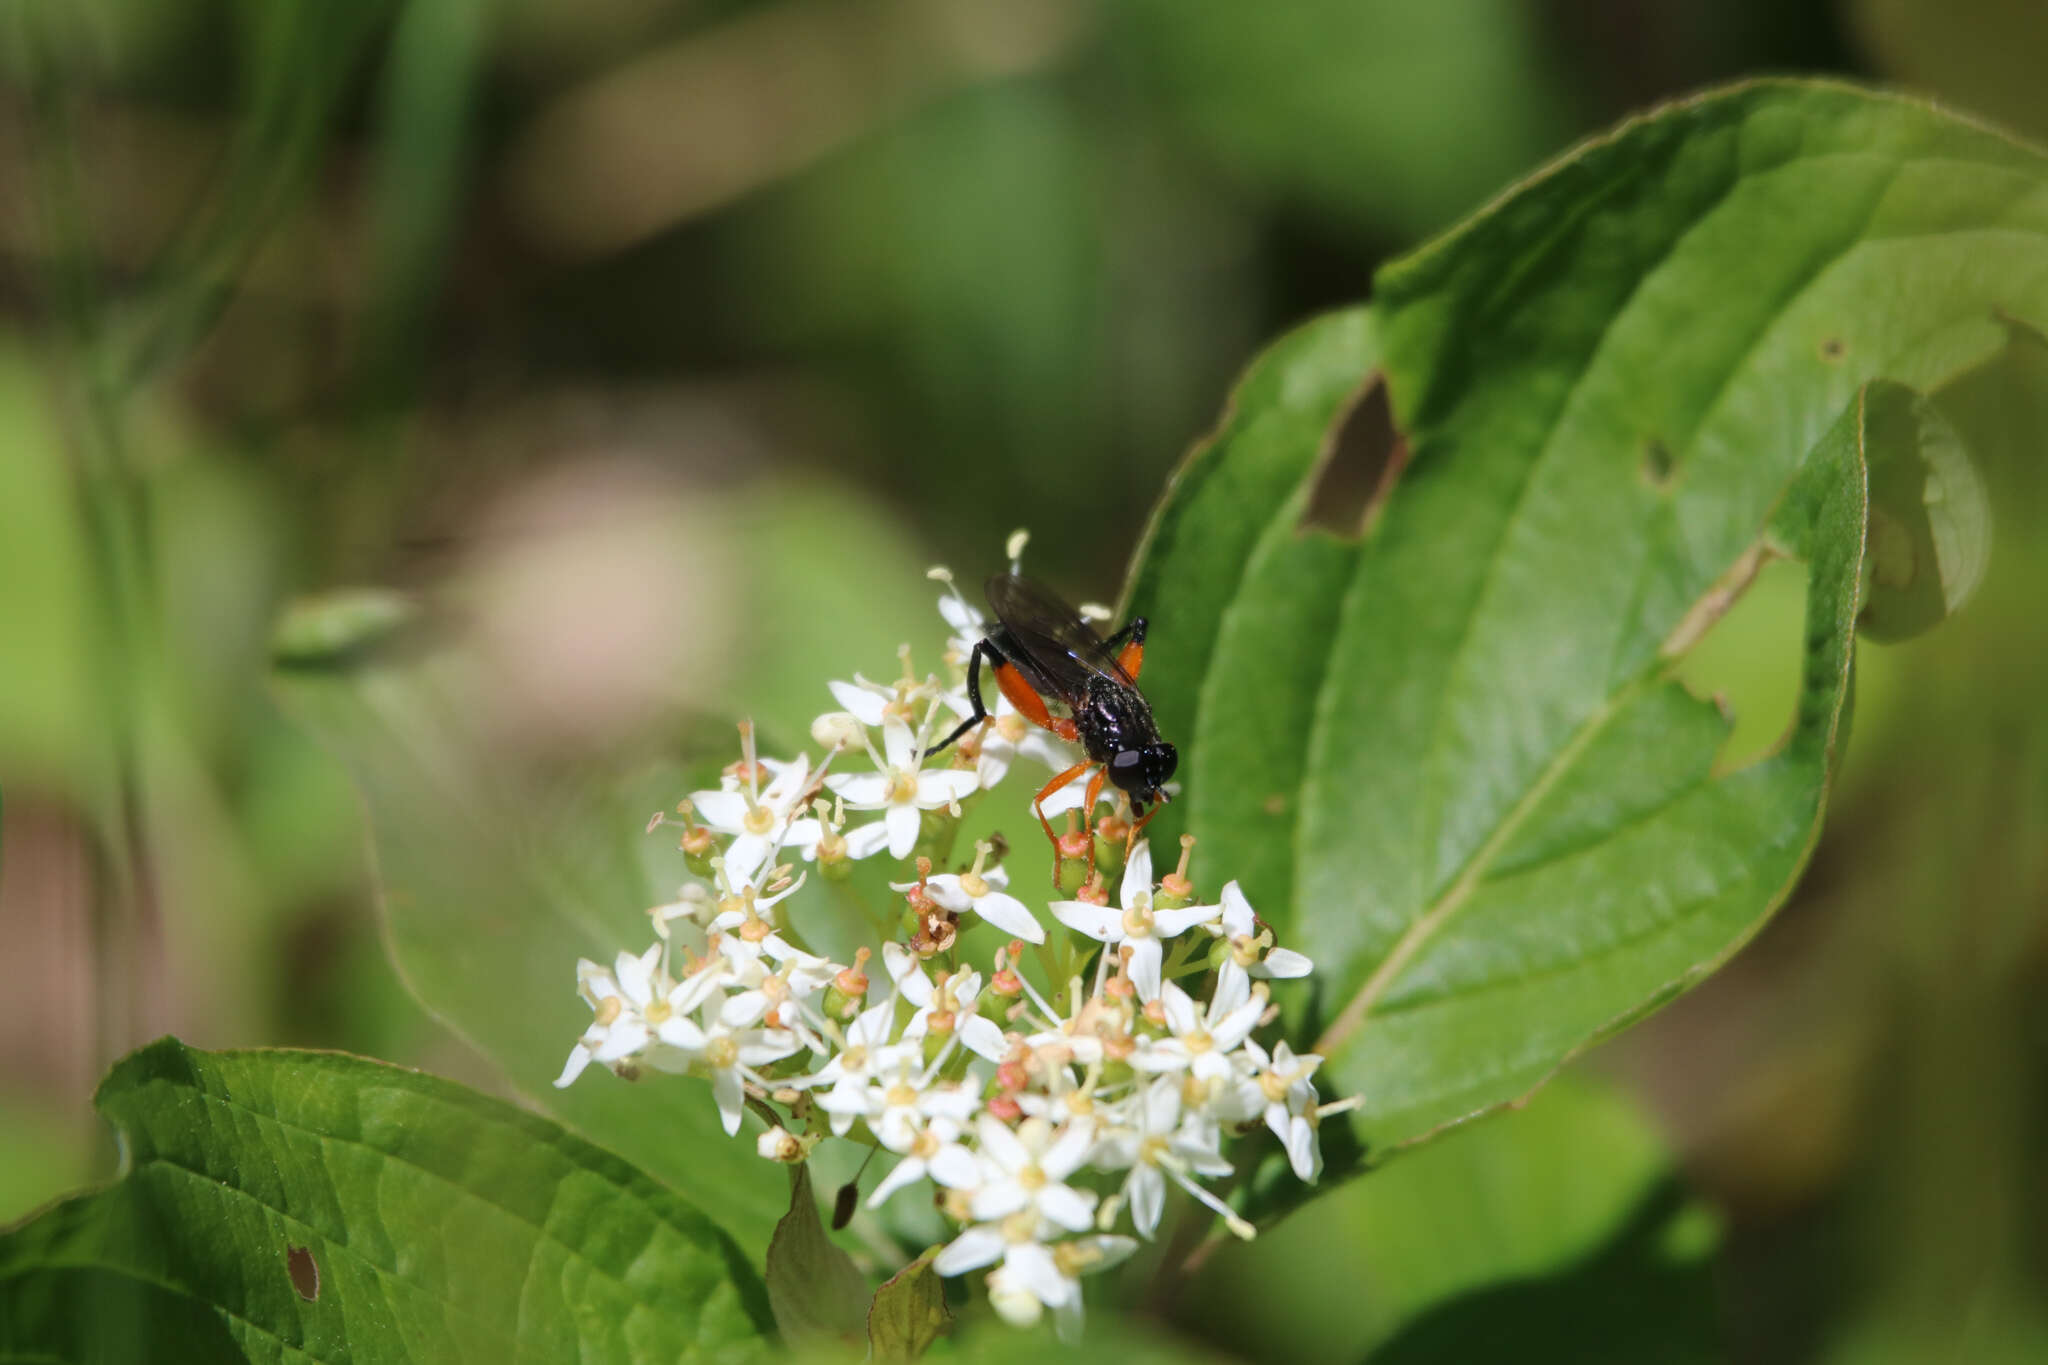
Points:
(1112, 719)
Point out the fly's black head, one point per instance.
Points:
(1143, 771)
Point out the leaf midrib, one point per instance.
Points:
(540, 1231)
(1425, 926)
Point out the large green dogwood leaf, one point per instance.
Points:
(495, 875)
(311, 1206)
(1447, 756)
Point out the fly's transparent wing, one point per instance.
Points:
(1065, 648)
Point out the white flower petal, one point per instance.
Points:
(956, 1168)
(872, 1027)
(862, 791)
(1031, 1266)
(981, 1037)
(626, 1037)
(1001, 1145)
(1168, 923)
(1144, 967)
(1072, 1209)
(868, 840)
(680, 1033)
(742, 1010)
(636, 975)
(1068, 1150)
(723, 811)
(908, 1171)
(1284, 963)
(1236, 1026)
(946, 891)
(1238, 920)
(1010, 915)
(767, 1045)
(1303, 1152)
(899, 744)
(903, 824)
(1233, 988)
(747, 857)
(935, 789)
(1146, 1191)
(866, 705)
(998, 1199)
(992, 766)
(961, 616)
(730, 1092)
(1137, 875)
(971, 1250)
(1098, 922)
(579, 1057)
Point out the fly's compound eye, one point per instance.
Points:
(1127, 769)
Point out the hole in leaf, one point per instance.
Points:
(1364, 458)
(1751, 661)
(305, 1272)
(1658, 463)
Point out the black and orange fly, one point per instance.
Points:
(1043, 653)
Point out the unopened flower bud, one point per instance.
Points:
(779, 1144)
(837, 730)
(1109, 856)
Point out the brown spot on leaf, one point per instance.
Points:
(1833, 349)
(305, 1272)
(1659, 464)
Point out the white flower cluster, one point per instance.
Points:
(1042, 1111)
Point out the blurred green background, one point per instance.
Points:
(664, 342)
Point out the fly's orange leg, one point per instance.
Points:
(1138, 826)
(1038, 809)
(1088, 817)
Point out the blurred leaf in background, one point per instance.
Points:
(397, 295)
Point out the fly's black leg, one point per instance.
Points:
(973, 695)
(1132, 634)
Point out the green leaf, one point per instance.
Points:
(1529, 1196)
(909, 1312)
(1447, 758)
(495, 876)
(1646, 1295)
(812, 1285)
(298, 1205)
(1930, 520)
(1107, 1339)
